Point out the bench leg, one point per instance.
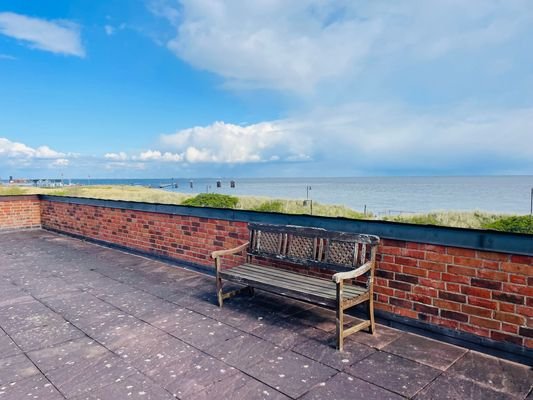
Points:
(340, 318)
(372, 327)
(220, 295)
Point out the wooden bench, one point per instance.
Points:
(346, 255)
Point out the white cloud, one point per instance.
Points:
(61, 37)
(11, 149)
(228, 143)
(121, 156)
(155, 155)
(7, 57)
(60, 162)
(295, 46)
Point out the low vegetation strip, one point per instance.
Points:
(474, 220)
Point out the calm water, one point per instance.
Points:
(381, 195)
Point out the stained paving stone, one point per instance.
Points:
(239, 386)
(501, 375)
(244, 350)
(452, 387)
(394, 373)
(158, 355)
(128, 331)
(173, 319)
(323, 349)
(426, 351)
(136, 386)
(320, 318)
(206, 333)
(84, 377)
(8, 348)
(23, 316)
(16, 368)
(191, 373)
(290, 373)
(285, 334)
(346, 387)
(35, 387)
(46, 336)
(68, 355)
(134, 302)
(381, 337)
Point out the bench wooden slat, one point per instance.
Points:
(292, 281)
(305, 280)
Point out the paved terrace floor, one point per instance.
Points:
(80, 321)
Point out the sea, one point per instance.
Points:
(378, 195)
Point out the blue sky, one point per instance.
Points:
(161, 88)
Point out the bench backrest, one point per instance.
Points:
(311, 247)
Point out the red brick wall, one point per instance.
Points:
(19, 212)
(483, 293)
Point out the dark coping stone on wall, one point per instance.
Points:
(486, 240)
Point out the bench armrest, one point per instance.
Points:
(339, 276)
(220, 253)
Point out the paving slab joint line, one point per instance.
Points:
(35, 365)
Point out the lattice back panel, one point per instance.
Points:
(341, 253)
(268, 242)
(301, 247)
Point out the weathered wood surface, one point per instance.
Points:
(349, 255)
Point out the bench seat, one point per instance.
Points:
(292, 284)
(283, 258)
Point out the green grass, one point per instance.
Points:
(475, 220)
(467, 219)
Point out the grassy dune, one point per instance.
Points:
(475, 220)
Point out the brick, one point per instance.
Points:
(456, 278)
(507, 297)
(484, 283)
(518, 289)
(528, 260)
(525, 311)
(453, 287)
(406, 278)
(519, 280)
(432, 283)
(485, 322)
(436, 248)
(488, 255)
(444, 322)
(426, 291)
(400, 285)
(475, 330)
(459, 298)
(506, 307)
(411, 262)
(401, 303)
(479, 302)
(447, 305)
(419, 298)
(493, 275)
(476, 292)
(456, 316)
(526, 332)
(510, 318)
(504, 337)
(516, 268)
(413, 253)
(432, 265)
(509, 328)
(426, 309)
(439, 257)
(478, 311)
(466, 271)
(414, 271)
(456, 251)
